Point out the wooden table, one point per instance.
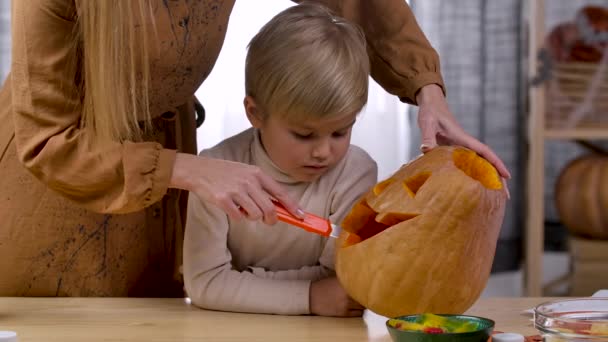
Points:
(153, 320)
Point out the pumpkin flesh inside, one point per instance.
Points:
(477, 168)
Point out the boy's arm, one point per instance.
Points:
(211, 282)
(402, 59)
(311, 273)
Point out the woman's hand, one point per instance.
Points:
(439, 126)
(328, 298)
(238, 189)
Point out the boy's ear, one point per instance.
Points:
(253, 112)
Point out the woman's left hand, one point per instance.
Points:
(439, 126)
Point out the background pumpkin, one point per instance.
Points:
(581, 196)
(424, 239)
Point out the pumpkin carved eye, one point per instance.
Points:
(413, 184)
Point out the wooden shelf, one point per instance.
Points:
(543, 128)
(599, 132)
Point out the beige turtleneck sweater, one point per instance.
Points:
(249, 266)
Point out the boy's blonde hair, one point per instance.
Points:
(306, 61)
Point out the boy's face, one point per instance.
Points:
(304, 150)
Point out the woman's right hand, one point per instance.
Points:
(328, 298)
(232, 186)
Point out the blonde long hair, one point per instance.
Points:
(113, 37)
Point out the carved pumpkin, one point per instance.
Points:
(581, 195)
(424, 239)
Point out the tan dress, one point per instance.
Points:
(75, 222)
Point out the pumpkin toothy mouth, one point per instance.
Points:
(371, 224)
(364, 222)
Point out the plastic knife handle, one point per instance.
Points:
(311, 222)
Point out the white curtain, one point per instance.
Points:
(479, 43)
(382, 128)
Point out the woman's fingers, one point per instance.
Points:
(468, 141)
(245, 202)
(428, 128)
(232, 209)
(255, 197)
(439, 126)
(452, 133)
(276, 191)
(263, 200)
(506, 187)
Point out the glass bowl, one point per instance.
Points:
(573, 320)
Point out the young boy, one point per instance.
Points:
(306, 80)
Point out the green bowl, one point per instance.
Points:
(485, 330)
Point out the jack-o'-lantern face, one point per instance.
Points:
(423, 240)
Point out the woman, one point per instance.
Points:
(97, 140)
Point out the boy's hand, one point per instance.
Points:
(328, 298)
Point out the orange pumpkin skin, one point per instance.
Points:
(437, 252)
(581, 196)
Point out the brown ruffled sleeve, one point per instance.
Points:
(402, 59)
(46, 113)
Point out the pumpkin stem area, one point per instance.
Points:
(477, 168)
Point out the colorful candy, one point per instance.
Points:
(434, 324)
